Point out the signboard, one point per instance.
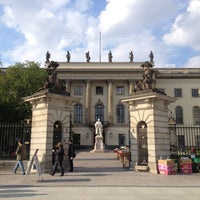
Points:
(35, 162)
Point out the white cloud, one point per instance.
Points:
(140, 26)
(193, 62)
(186, 28)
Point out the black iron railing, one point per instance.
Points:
(10, 133)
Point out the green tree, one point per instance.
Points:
(19, 80)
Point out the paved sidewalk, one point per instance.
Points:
(99, 174)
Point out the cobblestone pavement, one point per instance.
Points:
(100, 172)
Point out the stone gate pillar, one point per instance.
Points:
(150, 111)
(48, 108)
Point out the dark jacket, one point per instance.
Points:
(59, 154)
(71, 151)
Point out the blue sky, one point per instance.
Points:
(168, 28)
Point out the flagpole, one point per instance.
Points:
(99, 46)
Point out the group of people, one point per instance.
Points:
(58, 157)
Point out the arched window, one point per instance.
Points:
(179, 115)
(196, 115)
(120, 113)
(99, 111)
(78, 113)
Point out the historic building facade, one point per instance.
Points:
(101, 86)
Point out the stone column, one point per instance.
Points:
(68, 86)
(131, 86)
(110, 101)
(47, 108)
(88, 102)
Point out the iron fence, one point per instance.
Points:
(9, 134)
(185, 140)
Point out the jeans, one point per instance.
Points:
(19, 164)
(56, 166)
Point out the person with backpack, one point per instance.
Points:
(21, 155)
(58, 157)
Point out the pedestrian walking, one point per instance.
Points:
(59, 154)
(21, 155)
(71, 155)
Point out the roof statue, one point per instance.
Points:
(48, 56)
(151, 56)
(68, 56)
(110, 57)
(87, 55)
(131, 56)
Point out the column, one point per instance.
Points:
(110, 101)
(131, 86)
(68, 86)
(88, 102)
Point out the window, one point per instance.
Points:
(99, 90)
(78, 90)
(179, 115)
(122, 139)
(78, 113)
(178, 92)
(195, 92)
(120, 90)
(120, 113)
(196, 115)
(99, 111)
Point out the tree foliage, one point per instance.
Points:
(19, 80)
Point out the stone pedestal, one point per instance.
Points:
(48, 108)
(148, 111)
(98, 146)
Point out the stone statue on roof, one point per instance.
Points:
(110, 57)
(68, 56)
(87, 55)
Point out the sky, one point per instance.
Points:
(168, 28)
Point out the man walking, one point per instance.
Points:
(21, 150)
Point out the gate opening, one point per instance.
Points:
(142, 143)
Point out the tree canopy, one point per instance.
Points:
(17, 81)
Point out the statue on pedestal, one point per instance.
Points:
(151, 56)
(110, 57)
(52, 83)
(98, 128)
(148, 82)
(87, 55)
(68, 56)
(98, 145)
(48, 55)
(131, 56)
